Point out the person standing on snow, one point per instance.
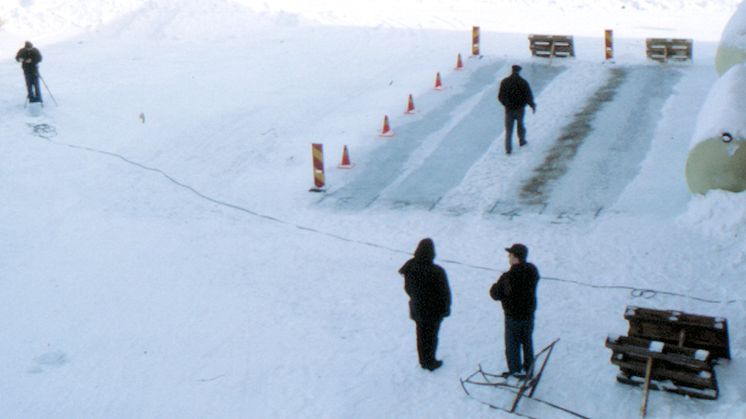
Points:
(30, 57)
(430, 300)
(516, 290)
(515, 93)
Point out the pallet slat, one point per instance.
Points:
(702, 332)
(682, 370)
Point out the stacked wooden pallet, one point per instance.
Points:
(671, 351)
(551, 45)
(664, 49)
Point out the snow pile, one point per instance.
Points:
(719, 214)
(52, 17)
(724, 111)
(43, 18)
(734, 34)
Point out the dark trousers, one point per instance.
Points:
(518, 335)
(514, 117)
(32, 86)
(427, 341)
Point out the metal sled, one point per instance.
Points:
(522, 388)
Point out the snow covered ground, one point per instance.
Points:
(162, 257)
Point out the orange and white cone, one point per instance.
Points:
(438, 84)
(459, 63)
(410, 105)
(386, 131)
(345, 159)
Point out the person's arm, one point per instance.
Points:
(501, 93)
(499, 289)
(446, 295)
(530, 98)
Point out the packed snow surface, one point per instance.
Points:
(163, 257)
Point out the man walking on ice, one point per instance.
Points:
(515, 93)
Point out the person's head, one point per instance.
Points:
(516, 69)
(517, 253)
(28, 44)
(425, 251)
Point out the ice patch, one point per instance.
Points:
(47, 360)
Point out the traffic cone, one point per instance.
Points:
(345, 159)
(410, 105)
(386, 131)
(438, 84)
(459, 63)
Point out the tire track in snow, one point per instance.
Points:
(535, 190)
(599, 152)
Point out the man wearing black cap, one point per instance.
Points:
(30, 57)
(515, 93)
(516, 290)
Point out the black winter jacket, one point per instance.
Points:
(32, 55)
(427, 285)
(516, 290)
(515, 93)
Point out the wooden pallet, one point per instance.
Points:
(551, 45)
(681, 329)
(664, 366)
(664, 49)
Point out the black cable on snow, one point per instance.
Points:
(46, 132)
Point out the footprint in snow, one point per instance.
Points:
(48, 360)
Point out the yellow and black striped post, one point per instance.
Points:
(609, 44)
(318, 167)
(475, 40)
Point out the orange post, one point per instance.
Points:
(410, 105)
(345, 159)
(386, 131)
(459, 63)
(317, 150)
(438, 84)
(475, 40)
(609, 44)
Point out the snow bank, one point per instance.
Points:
(717, 156)
(718, 213)
(725, 108)
(629, 18)
(198, 20)
(732, 48)
(54, 16)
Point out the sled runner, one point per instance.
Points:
(520, 388)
